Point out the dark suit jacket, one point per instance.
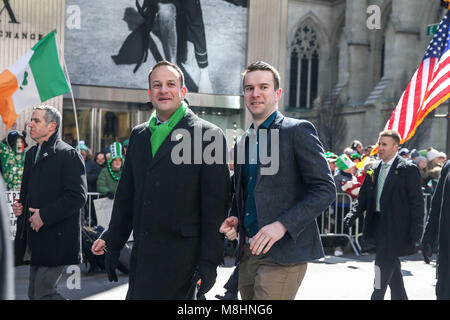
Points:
(401, 202)
(300, 191)
(438, 228)
(174, 210)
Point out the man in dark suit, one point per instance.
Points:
(438, 228)
(393, 201)
(52, 192)
(276, 202)
(174, 207)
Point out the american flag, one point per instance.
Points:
(428, 88)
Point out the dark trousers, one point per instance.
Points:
(387, 269)
(232, 283)
(43, 283)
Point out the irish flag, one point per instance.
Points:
(36, 77)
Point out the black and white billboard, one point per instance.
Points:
(114, 43)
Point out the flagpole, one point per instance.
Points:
(66, 73)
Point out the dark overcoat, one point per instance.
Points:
(401, 202)
(438, 228)
(55, 184)
(174, 210)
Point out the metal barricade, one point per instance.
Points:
(427, 207)
(331, 222)
(90, 206)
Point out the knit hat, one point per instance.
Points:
(403, 151)
(82, 146)
(433, 154)
(116, 151)
(423, 152)
(12, 137)
(343, 162)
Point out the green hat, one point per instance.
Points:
(116, 151)
(343, 162)
(423, 152)
(331, 156)
(82, 146)
(125, 143)
(355, 155)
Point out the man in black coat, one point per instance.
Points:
(438, 227)
(392, 197)
(173, 207)
(52, 193)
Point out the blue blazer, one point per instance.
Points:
(300, 190)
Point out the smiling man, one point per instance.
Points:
(174, 210)
(393, 202)
(275, 213)
(53, 191)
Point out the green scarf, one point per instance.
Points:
(160, 132)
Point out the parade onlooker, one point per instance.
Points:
(435, 158)
(277, 230)
(52, 193)
(437, 229)
(331, 158)
(392, 198)
(405, 153)
(125, 147)
(414, 155)
(174, 209)
(12, 159)
(109, 176)
(357, 146)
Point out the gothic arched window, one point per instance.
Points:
(304, 72)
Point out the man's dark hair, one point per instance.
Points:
(393, 134)
(170, 64)
(262, 66)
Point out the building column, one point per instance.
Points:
(267, 23)
(356, 33)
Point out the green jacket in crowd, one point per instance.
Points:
(106, 183)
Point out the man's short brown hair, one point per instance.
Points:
(393, 134)
(170, 64)
(262, 66)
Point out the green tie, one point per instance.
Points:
(37, 153)
(381, 178)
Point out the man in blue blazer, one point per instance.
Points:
(282, 183)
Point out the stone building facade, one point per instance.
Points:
(346, 63)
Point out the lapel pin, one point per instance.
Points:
(178, 137)
(45, 154)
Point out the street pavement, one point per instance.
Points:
(332, 278)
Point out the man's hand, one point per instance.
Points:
(35, 220)
(98, 248)
(229, 228)
(266, 237)
(17, 208)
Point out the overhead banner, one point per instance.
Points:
(115, 43)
